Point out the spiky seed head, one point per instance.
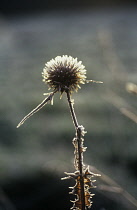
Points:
(64, 73)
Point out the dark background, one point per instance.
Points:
(22, 7)
(33, 158)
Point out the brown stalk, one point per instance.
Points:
(80, 157)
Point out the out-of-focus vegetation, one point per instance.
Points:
(105, 40)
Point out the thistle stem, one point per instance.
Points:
(49, 98)
(80, 157)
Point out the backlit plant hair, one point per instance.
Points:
(65, 74)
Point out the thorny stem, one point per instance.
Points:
(80, 159)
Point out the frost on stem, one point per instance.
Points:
(88, 179)
(49, 98)
(83, 176)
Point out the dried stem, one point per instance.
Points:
(80, 156)
(49, 98)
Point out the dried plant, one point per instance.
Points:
(64, 74)
(131, 88)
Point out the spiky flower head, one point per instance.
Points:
(64, 73)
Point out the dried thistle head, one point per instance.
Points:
(64, 73)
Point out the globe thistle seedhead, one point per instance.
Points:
(64, 73)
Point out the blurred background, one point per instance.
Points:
(33, 158)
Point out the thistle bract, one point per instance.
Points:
(64, 73)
